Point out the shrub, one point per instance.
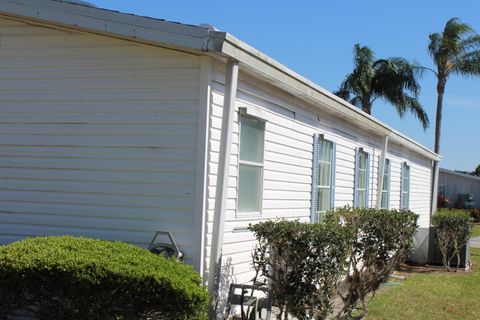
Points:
(80, 278)
(475, 214)
(453, 228)
(381, 239)
(443, 201)
(302, 264)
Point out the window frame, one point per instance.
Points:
(358, 151)
(387, 168)
(246, 214)
(315, 215)
(404, 176)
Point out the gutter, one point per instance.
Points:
(222, 184)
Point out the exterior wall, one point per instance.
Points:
(98, 137)
(290, 125)
(455, 184)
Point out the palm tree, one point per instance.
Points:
(455, 51)
(393, 80)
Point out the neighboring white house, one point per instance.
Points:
(114, 126)
(462, 189)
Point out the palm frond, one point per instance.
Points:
(404, 103)
(468, 64)
(356, 102)
(434, 46)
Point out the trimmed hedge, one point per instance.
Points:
(381, 239)
(475, 214)
(80, 278)
(301, 263)
(453, 228)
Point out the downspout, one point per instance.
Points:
(435, 175)
(381, 172)
(222, 184)
(433, 208)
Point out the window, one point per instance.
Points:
(405, 188)
(250, 172)
(385, 201)
(323, 177)
(442, 190)
(361, 179)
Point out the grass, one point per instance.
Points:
(431, 296)
(476, 231)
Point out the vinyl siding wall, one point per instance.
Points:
(456, 184)
(289, 129)
(97, 137)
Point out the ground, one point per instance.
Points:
(431, 294)
(476, 231)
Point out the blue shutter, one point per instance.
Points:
(355, 179)
(314, 200)
(332, 187)
(367, 178)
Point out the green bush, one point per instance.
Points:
(80, 278)
(301, 263)
(380, 240)
(475, 214)
(453, 228)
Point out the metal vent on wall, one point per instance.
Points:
(164, 244)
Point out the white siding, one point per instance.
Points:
(97, 137)
(290, 125)
(458, 183)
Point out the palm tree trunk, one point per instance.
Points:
(367, 106)
(438, 120)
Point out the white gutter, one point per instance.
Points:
(222, 183)
(381, 171)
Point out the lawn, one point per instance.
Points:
(476, 230)
(432, 296)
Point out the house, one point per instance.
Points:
(114, 126)
(461, 189)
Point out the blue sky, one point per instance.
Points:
(315, 38)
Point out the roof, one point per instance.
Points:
(199, 40)
(460, 174)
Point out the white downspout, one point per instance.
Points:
(435, 176)
(222, 184)
(381, 172)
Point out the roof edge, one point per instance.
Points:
(460, 174)
(115, 24)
